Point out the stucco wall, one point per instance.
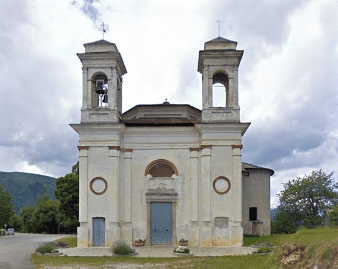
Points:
(203, 216)
(256, 193)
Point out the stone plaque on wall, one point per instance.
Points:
(221, 222)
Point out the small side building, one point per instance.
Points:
(256, 199)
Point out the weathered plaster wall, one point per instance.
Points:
(256, 193)
(149, 146)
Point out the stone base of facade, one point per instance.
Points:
(113, 234)
(82, 236)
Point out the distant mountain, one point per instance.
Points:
(24, 187)
(273, 212)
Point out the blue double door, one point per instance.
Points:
(161, 223)
(99, 235)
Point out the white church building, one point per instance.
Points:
(166, 172)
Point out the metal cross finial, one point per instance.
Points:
(219, 27)
(104, 30)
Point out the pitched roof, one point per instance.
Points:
(100, 42)
(247, 166)
(160, 122)
(220, 39)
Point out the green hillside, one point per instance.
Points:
(24, 187)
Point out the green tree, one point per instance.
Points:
(26, 214)
(67, 192)
(6, 207)
(305, 202)
(45, 214)
(333, 216)
(16, 222)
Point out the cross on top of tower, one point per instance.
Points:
(219, 27)
(104, 29)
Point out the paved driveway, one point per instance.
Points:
(16, 250)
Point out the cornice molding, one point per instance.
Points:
(83, 147)
(237, 146)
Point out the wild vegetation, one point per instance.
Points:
(306, 202)
(45, 214)
(6, 207)
(306, 248)
(67, 192)
(41, 218)
(122, 248)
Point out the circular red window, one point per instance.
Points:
(221, 185)
(98, 185)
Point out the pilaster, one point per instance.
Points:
(194, 184)
(237, 181)
(235, 85)
(127, 185)
(83, 183)
(114, 197)
(205, 89)
(206, 185)
(84, 87)
(113, 89)
(82, 231)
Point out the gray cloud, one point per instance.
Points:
(90, 10)
(39, 94)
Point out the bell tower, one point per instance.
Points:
(218, 63)
(103, 69)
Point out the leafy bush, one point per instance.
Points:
(122, 248)
(46, 249)
(183, 240)
(62, 244)
(186, 250)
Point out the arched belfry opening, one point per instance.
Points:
(218, 63)
(102, 71)
(220, 86)
(99, 90)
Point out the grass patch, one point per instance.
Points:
(306, 247)
(264, 250)
(72, 241)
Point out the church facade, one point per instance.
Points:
(166, 172)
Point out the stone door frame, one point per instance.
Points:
(161, 195)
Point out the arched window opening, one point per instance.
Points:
(220, 84)
(218, 95)
(100, 91)
(161, 168)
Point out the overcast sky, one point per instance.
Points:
(288, 77)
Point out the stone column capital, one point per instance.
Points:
(237, 146)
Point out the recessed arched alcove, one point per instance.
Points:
(161, 168)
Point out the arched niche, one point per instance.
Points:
(161, 168)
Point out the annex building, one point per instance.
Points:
(166, 172)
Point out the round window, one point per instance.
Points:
(221, 185)
(98, 185)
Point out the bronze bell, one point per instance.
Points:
(99, 90)
(105, 98)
